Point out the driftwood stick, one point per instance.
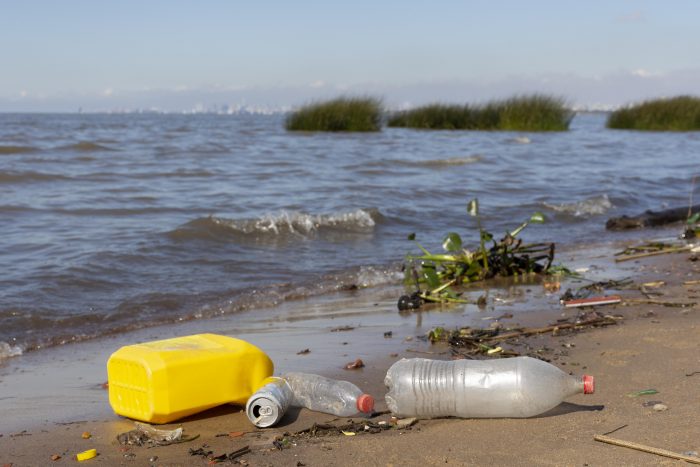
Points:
(678, 249)
(557, 327)
(651, 301)
(643, 448)
(691, 283)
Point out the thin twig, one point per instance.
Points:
(677, 249)
(557, 327)
(658, 302)
(616, 429)
(649, 449)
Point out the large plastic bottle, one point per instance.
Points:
(514, 388)
(321, 394)
(161, 381)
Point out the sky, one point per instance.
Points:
(181, 55)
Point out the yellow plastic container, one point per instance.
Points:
(161, 381)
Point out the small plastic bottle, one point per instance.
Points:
(513, 388)
(321, 394)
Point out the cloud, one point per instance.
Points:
(642, 73)
(108, 92)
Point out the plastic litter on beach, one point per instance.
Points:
(86, 455)
(165, 380)
(518, 387)
(146, 435)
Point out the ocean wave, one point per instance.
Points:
(449, 162)
(520, 140)
(282, 224)
(155, 309)
(21, 177)
(8, 150)
(364, 277)
(588, 207)
(87, 146)
(7, 351)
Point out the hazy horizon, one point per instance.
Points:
(186, 56)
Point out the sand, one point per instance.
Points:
(49, 399)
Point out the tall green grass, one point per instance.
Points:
(680, 113)
(341, 114)
(521, 113)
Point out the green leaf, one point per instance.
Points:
(694, 218)
(473, 207)
(537, 218)
(486, 236)
(431, 277)
(644, 392)
(452, 242)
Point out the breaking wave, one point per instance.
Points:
(7, 351)
(284, 223)
(588, 207)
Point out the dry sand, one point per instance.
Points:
(48, 400)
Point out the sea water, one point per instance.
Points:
(112, 222)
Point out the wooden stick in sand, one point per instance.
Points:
(652, 253)
(643, 448)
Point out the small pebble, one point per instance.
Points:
(660, 407)
(405, 422)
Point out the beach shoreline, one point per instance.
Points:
(50, 398)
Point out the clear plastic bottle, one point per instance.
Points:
(321, 394)
(514, 388)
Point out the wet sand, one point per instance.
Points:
(49, 398)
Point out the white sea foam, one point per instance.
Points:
(521, 140)
(292, 222)
(452, 161)
(587, 207)
(7, 350)
(369, 276)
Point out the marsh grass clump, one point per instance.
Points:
(341, 114)
(521, 113)
(680, 113)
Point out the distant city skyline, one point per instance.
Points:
(181, 56)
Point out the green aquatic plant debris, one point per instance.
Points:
(342, 114)
(535, 112)
(435, 275)
(681, 113)
(644, 392)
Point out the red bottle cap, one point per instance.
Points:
(588, 384)
(365, 403)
